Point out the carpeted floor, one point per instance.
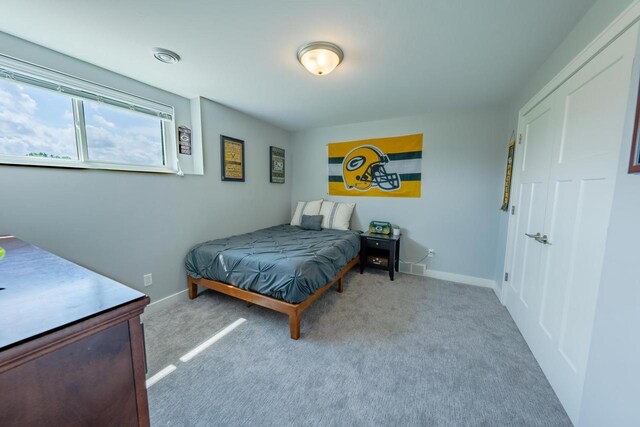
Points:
(416, 351)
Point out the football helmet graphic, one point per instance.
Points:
(363, 169)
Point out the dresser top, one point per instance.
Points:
(41, 292)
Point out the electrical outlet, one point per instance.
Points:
(431, 253)
(148, 279)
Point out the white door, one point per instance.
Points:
(539, 130)
(554, 290)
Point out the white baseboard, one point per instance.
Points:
(460, 278)
(420, 270)
(498, 292)
(165, 302)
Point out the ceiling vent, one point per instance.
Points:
(166, 56)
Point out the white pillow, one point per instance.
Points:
(306, 208)
(336, 215)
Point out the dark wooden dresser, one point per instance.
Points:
(71, 344)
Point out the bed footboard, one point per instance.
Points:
(294, 311)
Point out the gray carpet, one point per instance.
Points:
(415, 351)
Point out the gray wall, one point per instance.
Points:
(601, 14)
(124, 224)
(462, 170)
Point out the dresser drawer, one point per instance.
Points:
(380, 244)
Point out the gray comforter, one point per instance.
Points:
(284, 262)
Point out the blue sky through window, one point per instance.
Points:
(34, 120)
(122, 136)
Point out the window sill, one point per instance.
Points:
(74, 164)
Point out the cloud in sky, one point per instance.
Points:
(117, 135)
(22, 128)
(102, 121)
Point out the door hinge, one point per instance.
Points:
(520, 139)
(513, 209)
(506, 277)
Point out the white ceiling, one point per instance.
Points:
(402, 57)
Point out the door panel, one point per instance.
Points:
(521, 246)
(537, 143)
(588, 241)
(562, 230)
(586, 105)
(539, 130)
(531, 254)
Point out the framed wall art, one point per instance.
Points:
(184, 140)
(276, 165)
(232, 158)
(634, 159)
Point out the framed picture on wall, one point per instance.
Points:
(232, 158)
(184, 140)
(276, 165)
(634, 160)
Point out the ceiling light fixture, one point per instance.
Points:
(166, 56)
(320, 58)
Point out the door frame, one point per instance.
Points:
(629, 17)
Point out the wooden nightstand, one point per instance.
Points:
(379, 251)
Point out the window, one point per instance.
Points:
(119, 136)
(36, 122)
(51, 119)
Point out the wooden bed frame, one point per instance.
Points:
(292, 310)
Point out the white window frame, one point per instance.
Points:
(80, 90)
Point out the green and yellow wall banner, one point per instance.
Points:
(381, 167)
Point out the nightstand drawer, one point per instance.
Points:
(380, 244)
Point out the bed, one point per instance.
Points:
(284, 268)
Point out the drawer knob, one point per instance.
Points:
(377, 244)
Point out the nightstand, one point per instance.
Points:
(379, 251)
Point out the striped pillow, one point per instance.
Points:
(336, 215)
(305, 208)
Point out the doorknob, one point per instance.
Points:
(544, 240)
(539, 238)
